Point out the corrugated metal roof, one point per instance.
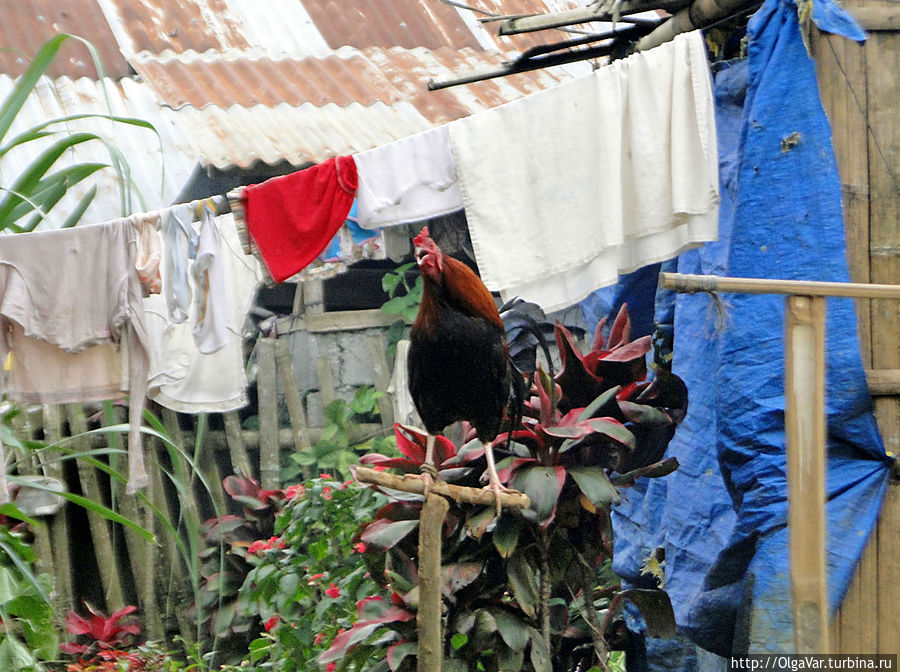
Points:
(26, 25)
(159, 166)
(373, 75)
(300, 80)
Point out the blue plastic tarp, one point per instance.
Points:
(721, 518)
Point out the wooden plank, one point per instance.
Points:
(885, 618)
(59, 524)
(292, 400)
(107, 562)
(169, 578)
(139, 550)
(883, 382)
(805, 434)
(266, 386)
(326, 380)
(840, 67)
(882, 52)
(240, 461)
(205, 463)
(877, 18)
(382, 378)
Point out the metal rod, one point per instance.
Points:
(681, 282)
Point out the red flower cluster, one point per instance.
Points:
(269, 544)
(333, 591)
(270, 624)
(294, 492)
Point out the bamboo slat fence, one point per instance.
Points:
(860, 92)
(110, 565)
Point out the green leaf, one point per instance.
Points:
(458, 640)
(594, 407)
(78, 211)
(595, 485)
(506, 535)
(30, 177)
(655, 470)
(524, 584)
(512, 630)
(14, 101)
(540, 656)
(385, 534)
(457, 576)
(656, 608)
(543, 486)
(477, 524)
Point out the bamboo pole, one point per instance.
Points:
(431, 523)
(59, 524)
(292, 400)
(806, 448)
(100, 533)
(413, 483)
(699, 14)
(428, 617)
(684, 282)
(240, 461)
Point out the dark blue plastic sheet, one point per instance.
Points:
(721, 518)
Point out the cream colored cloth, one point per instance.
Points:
(149, 251)
(181, 376)
(408, 180)
(70, 307)
(568, 187)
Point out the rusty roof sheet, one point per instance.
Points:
(294, 79)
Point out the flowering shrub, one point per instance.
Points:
(531, 590)
(308, 580)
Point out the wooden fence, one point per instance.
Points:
(860, 93)
(111, 565)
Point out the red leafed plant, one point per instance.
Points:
(99, 632)
(533, 589)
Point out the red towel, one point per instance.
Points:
(293, 218)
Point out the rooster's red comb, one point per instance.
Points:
(419, 240)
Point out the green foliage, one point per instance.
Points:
(32, 194)
(335, 451)
(531, 590)
(403, 300)
(305, 587)
(27, 632)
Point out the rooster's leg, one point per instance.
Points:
(494, 484)
(428, 470)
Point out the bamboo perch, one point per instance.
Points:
(428, 618)
(431, 522)
(804, 382)
(683, 282)
(413, 483)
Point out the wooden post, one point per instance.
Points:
(240, 461)
(806, 446)
(107, 562)
(269, 465)
(382, 375)
(292, 399)
(431, 523)
(428, 618)
(59, 524)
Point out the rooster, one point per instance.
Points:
(459, 363)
